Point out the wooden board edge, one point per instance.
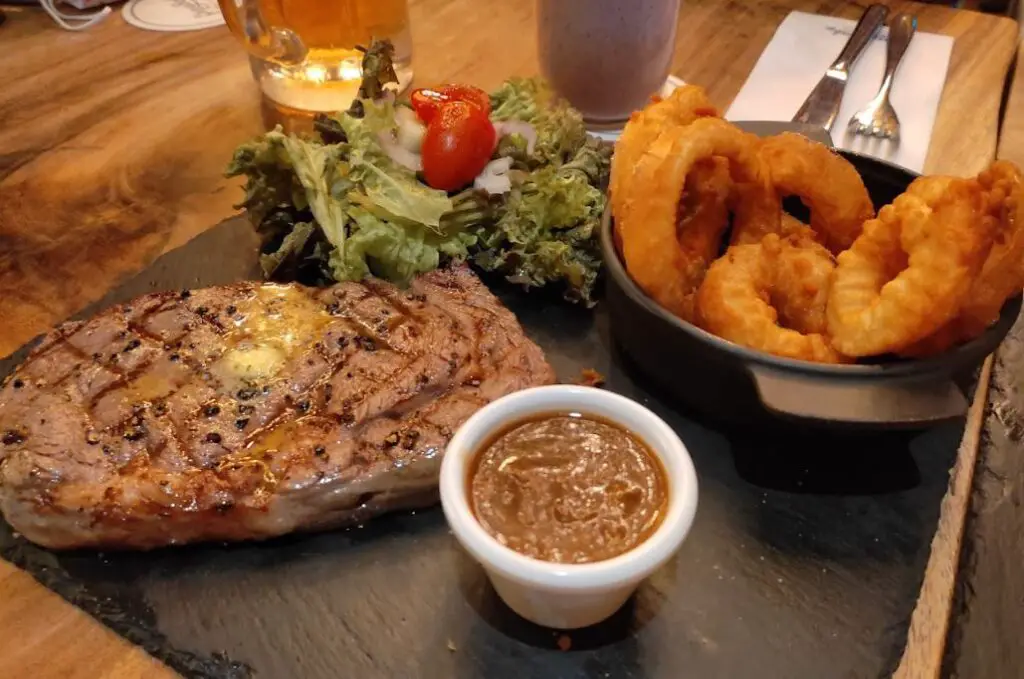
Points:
(929, 623)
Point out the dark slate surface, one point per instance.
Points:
(804, 561)
(987, 638)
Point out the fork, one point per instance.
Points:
(878, 118)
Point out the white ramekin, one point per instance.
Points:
(567, 596)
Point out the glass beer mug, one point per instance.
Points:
(303, 52)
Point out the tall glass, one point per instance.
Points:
(606, 57)
(303, 52)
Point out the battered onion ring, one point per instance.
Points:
(686, 104)
(826, 183)
(911, 269)
(650, 246)
(735, 303)
(702, 219)
(803, 277)
(791, 226)
(756, 212)
(1002, 274)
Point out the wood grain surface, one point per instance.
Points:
(43, 636)
(1011, 136)
(112, 144)
(922, 657)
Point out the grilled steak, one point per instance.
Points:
(250, 410)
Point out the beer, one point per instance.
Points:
(303, 52)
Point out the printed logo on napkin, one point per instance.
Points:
(803, 48)
(173, 15)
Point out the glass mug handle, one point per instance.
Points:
(271, 43)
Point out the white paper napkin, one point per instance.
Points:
(803, 48)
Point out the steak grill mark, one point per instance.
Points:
(374, 379)
(362, 334)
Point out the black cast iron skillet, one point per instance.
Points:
(736, 384)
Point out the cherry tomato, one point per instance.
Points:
(427, 101)
(458, 144)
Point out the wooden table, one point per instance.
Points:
(1011, 137)
(112, 144)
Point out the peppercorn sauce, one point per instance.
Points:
(568, 488)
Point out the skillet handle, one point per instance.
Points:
(863, 403)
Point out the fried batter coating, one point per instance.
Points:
(826, 183)
(667, 265)
(803, 277)
(1002, 274)
(685, 105)
(745, 292)
(911, 269)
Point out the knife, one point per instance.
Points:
(822, 106)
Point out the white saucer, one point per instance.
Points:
(173, 15)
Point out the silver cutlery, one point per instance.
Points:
(822, 106)
(878, 118)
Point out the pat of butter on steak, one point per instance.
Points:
(251, 410)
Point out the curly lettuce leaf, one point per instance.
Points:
(341, 209)
(399, 252)
(378, 70)
(289, 253)
(345, 210)
(546, 231)
(316, 167)
(390, 194)
(560, 129)
(379, 184)
(520, 99)
(270, 180)
(284, 170)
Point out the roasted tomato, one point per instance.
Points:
(458, 144)
(427, 101)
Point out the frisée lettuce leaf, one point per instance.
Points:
(344, 189)
(343, 205)
(546, 231)
(560, 128)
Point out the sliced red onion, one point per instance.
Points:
(494, 178)
(398, 153)
(520, 127)
(410, 129)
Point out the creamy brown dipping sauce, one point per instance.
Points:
(568, 488)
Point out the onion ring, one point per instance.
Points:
(803, 277)
(686, 104)
(756, 212)
(1002, 274)
(791, 226)
(650, 245)
(781, 223)
(911, 269)
(702, 219)
(735, 303)
(826, 183)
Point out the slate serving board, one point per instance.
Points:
(805, 558)
(988, 614)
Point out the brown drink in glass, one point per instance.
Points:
(606, 57)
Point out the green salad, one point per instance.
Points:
(357, 202)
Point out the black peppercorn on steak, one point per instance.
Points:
(250, 410)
